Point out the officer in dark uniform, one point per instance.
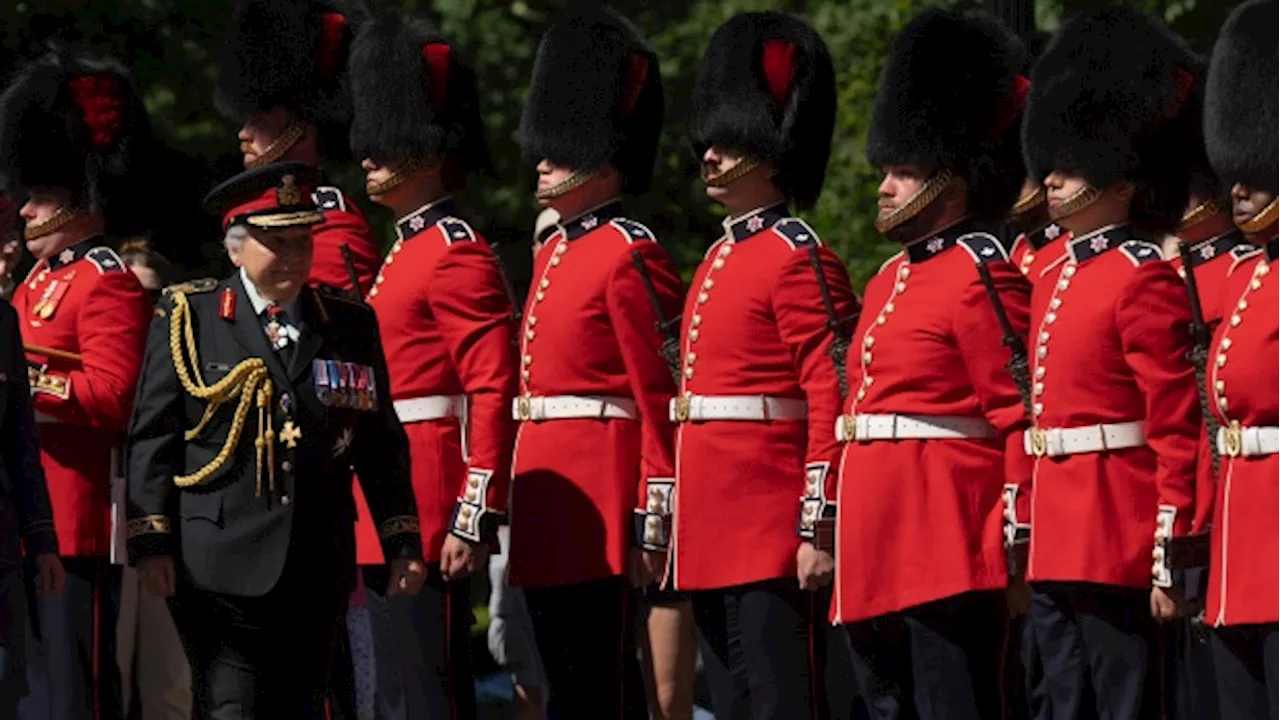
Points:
(260, 397)
(26, 517)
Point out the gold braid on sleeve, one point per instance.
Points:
(248, 381)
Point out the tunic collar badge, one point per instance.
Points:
(755, 222)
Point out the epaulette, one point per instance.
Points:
(983, 247)
(889, 262)
(329, 198)
(1242, 253)
(633, 230)
(192, 287)
(456, 230)
(105, 259)
(1141, 251)
(796, 232)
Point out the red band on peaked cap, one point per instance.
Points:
(333, 30)
(257, 201)
(1013, 106)
(100, 98)
(637, 74)
(778, 61)
(438, 57)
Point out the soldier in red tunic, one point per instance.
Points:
(448, 334)
(593, 465)
(1240, 121)
(283, 74)
(74, 136)
(759, 389)
(933, 431)
(1110, 126)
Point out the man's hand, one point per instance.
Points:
(814, 568)
(459, 558)
(157, 575)
(646, 566)
(1168, 604)
(51, 576)
(407, 576)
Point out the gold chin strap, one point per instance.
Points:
(1264, 219)
(279, 146)
(1083, 198)
(929, 192)
(55, 223)
(1029, 202)
(741, 168)
(247, 382)
(1198, 214)
(573, 182)
(406, 170)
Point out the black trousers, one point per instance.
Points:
(13, 642)
(1244, 658)
(421, 650)
(1188, 685)
(71, 647)
(759, 650)
(585, 633)
(1097, 650)
(937, 660)
(261, 657)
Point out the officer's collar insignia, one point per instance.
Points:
(227, 304)
(424, 217)
(932, 246)
(1203, 252)
(288, 193)
(73, 253)
(1086, 247)
(591, 219)
(755, 222)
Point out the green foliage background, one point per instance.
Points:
(171, 46)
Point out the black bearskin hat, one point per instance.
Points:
(595, 97)
(414, 97)
(766, 88)
(291, 54)
(1240, 116)
(76, 121)
(1113, 98)
(950, 96)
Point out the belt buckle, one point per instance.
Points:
(524, 408)
(1039, 442)
(1233, 440)
(682, 409)
(849, 427)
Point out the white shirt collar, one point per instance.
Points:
(260, 303)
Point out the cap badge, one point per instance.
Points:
(288, 192)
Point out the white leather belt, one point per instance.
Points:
(851, 428)
(536, 408)
(758, 408)
(1053, 442)
(431, 407)
(1236, 441)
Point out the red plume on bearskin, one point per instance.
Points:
(291, 54)
(76, 121)
(414, 96)
(595, 96)
(1114, 97)
(1241, 116)
(766, 88)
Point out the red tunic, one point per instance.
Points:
(590, 330)
(756, 325)
(1032, 252)
(932, 509)
(447, 329)
(84, 301)
(1211, 259)
(343, 223)
(1108, 345)
(1243, 383)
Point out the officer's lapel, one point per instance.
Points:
(310, 335)
(249, 332)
